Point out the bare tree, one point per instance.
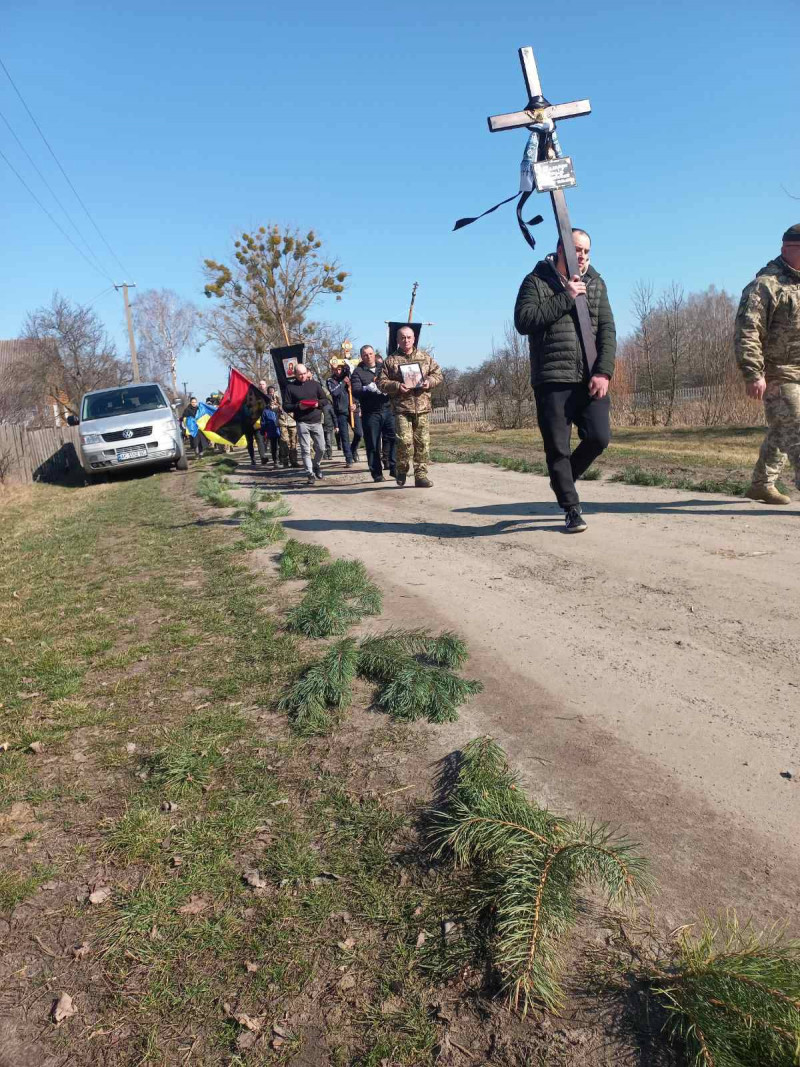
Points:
(72, 352)
(165, 326)
(644, 340)
(507, 382)
(672, 305)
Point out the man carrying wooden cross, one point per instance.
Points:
(566, 392)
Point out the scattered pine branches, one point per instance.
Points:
(529, 869)
(338, 594)
(412, 669)
(259, 526)
(733, 995)
(214, 489)
(299, 560)
(316, 700)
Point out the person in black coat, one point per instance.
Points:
(566, 392)
(376, 413)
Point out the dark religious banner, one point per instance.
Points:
(242, 403)
(393, 327)
(285, 360)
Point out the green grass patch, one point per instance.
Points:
(728, 486)
(14, 888)
(507, 463)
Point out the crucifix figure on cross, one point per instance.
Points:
(552, 172)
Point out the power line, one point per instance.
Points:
(55, 221)
(50, 189)
(96, 298)
(66, 176)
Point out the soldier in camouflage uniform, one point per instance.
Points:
(411, 407)
(767, 344)
(288, 444)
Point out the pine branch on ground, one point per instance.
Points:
(420, 690)
(529, 868)
(733, 995)
(338, 594)
(259, 526)
(414, 671)
(299, 560)
(323, 691)
(214, 489)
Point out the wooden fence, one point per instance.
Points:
(38, 455)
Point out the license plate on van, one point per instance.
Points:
(131, 453)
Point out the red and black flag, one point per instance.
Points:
(241, 406)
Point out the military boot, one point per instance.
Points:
(422, 482)
(767, 494)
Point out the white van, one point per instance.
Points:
(128, 426)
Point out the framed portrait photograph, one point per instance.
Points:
(412, 375)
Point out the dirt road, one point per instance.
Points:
(644, 673)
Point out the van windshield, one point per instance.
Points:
(127, 401)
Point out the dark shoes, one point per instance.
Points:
(348, 463)
(310, 479)
(356, 458)
(386, 466)
(573, 520)
(400, 478)
(378, 478)
(423, 483)
(318, 474)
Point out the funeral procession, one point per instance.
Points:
(323, 741)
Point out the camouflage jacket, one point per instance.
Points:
(285, 420)
(767, 337)
(419, 401)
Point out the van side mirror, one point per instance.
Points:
(72, 420)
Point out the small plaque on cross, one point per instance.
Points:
(552, 174)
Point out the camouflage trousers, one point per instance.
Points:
(782, 408)
(288, 446)
(413, 441)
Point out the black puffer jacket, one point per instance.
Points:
(546, 313)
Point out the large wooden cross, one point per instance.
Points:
(539, 108)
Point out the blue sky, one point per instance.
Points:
(182, 124)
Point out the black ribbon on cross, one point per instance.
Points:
(542, 142)
(521, 199)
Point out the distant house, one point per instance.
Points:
(23, 399)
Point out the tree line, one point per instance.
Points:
(263, 295)
(679, 341)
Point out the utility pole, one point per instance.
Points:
(124, 286)
(185, 389)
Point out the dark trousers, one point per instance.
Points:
(251, 434)
(343, 424)
(199, 443)
(273, 447)
(378, 431)
(559, 407)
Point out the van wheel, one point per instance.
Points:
(182, 464)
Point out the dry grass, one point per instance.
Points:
(707, 451)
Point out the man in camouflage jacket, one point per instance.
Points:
(411, 406)
(767, 342)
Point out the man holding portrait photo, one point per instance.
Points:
(407, 378)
